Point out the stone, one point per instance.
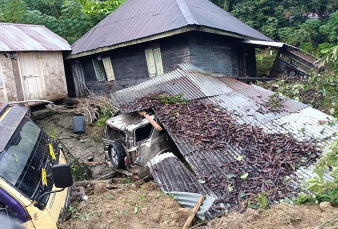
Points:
(100, 188)
(90, 157)
(156, 217)
(144, 211)
(325, 206)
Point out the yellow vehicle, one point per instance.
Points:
(34, 176)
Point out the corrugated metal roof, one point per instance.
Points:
(24, 37)
(244, 101)
(167, 170)
(189, 200)
(143, 18)
(193, 84)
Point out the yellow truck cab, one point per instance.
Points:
(34, 176)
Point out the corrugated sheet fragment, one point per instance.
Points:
(138, 19)
(22, 37)
(174, 178)
(245, 103)
(166, 168)
(189, 200)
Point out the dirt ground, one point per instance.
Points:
(88, 145)
(127, 207)
(281, 216)
(145, 206)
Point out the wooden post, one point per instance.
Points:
(17, 77)
(152, 122)
(197, 206)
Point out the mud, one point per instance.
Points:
(61, 126)
(281, 216)
(127, 207)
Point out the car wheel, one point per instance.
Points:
(116, 155)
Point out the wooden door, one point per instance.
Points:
(31, 76)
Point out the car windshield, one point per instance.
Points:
(15, 157)
(24, 158)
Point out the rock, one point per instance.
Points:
(172, 224)
(156, 217)
(90, 157)
(149, 186)
(133, 187)
(100, 188)
(42, 114)
(325, 206)
(144, 211)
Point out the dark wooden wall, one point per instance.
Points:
(174, 50)
(129, 64)
(251, 69)
(214, 53)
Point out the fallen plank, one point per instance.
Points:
(194, 211)
(95, 163)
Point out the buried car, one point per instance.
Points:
(132, 140)
(34, 176)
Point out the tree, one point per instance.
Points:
(330, 28)
(98, 10)
(12, 11)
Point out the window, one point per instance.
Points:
(154, 61)
(143, 133)
(23, 159)
(99, 70)
(108, 67)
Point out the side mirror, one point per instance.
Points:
(79, 125)
(62, 175)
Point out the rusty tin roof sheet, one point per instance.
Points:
(23, 37)
(243, 101)
(138, 19)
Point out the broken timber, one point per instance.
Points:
(191, 217)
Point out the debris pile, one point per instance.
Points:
(261, 176)
(92, 107)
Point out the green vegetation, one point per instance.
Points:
(175, 99)
(306, 24)
(70, 19)
(264, 63)
(323, 190)
(310, 25)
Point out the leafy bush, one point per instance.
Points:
(319, 90)
(264, 64)
(307, 47)
(324, 49)
(323, 190)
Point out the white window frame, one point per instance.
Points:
(108, 67)
(96, 71)
(155, 65)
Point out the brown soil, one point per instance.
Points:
(280, 216)
(127, 207)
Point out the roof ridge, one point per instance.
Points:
(185, 10)
(21, 24)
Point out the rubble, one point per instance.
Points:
(268, 161)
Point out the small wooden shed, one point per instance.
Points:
(31, 63)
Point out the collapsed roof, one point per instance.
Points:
(247, 106)
(137, 19)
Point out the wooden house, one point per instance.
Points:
(146, 38)
(31, 63)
